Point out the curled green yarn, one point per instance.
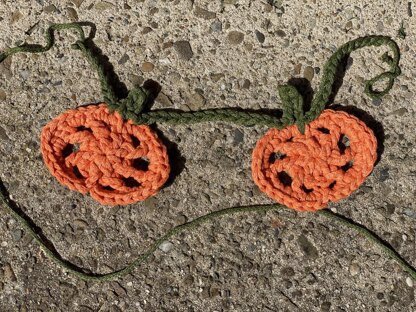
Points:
(321, 97)
(50, 41)
(133, 107)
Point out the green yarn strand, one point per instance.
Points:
(226, 115)
(372, 237)
(190, 226)
(50, 40)
(292, 102)
(107, 88)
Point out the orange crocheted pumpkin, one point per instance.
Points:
(92, 150)
(307, 171)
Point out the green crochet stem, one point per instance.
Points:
(132, 107)
(50, 41)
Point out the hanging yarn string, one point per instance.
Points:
(308, 144)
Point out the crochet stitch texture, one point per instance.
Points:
(117, 162)
(307, 171)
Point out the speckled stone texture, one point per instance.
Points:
(205, 54)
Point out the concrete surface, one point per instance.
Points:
(205, 54)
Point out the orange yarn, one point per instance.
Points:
(305, 172)
(117, 162)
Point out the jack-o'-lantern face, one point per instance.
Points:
(92, 150)
(327, 163)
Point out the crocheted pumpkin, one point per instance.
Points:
(92, 150)
(306, 172)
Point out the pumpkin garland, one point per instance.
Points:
(305, 160)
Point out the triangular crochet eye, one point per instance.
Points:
(347, 166)
(135, 141)
(131, 182)
(140, 164)
(83, 128)
(343, 143)
(323, 130)
(285, 178)
(276, 156)
(69, 149)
